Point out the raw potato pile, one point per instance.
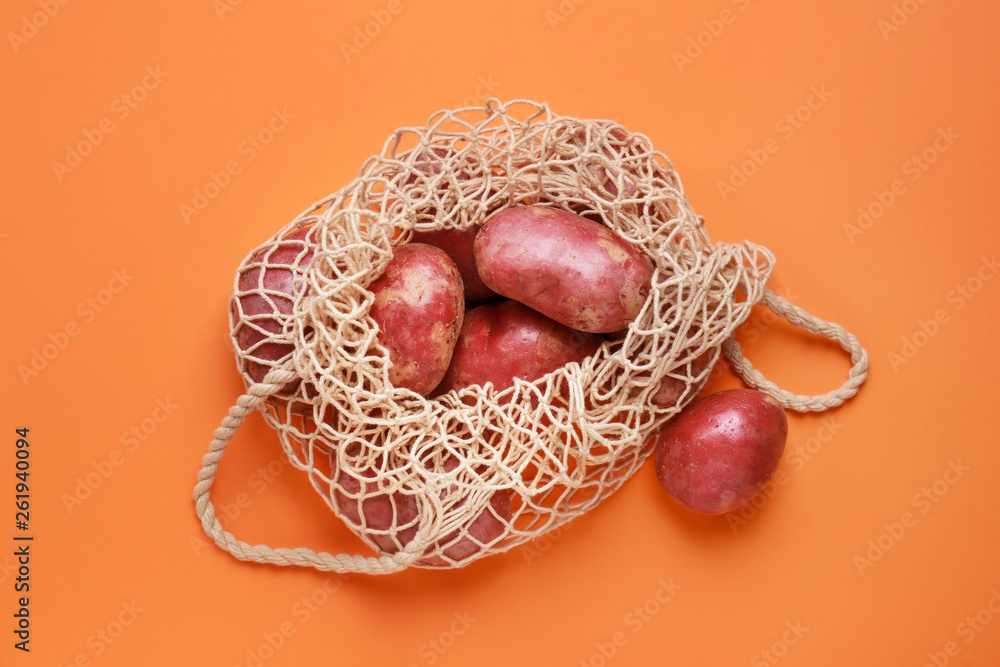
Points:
(443, 481)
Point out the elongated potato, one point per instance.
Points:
(419, 307)
(571, 269)
(502, 341)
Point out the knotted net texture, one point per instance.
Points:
(442, 482)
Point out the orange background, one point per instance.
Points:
(132, 550)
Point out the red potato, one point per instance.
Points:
(419, 307)
(617, 147)
(388, 518)
(431, 162)
(458, 243)
(391, 518)
(487, 528)
(720, 450)
(484, 531)
(502, 341)
(263, 305)
(571, 269)
(671, 388)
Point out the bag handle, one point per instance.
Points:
(257, 394)
(800, 318)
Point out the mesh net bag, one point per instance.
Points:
(441, 482)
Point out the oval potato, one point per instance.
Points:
(458, 243)
(571, 269)
(419, 307)
(720, 450)
(263, 304)
(390, 518)
(671, 388)
(485, 529)
(502, 341)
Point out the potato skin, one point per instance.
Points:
(617, 147)
(571, 269)
(505, 340)
(671, 389)
(285, 261)
(383, 513)
(458, 243)
(419, 307)
(487, 528)
(720, 450)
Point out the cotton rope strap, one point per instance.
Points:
(800, 318)
(260, 553)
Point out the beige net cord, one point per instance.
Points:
(260, 553)
(799, 317)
